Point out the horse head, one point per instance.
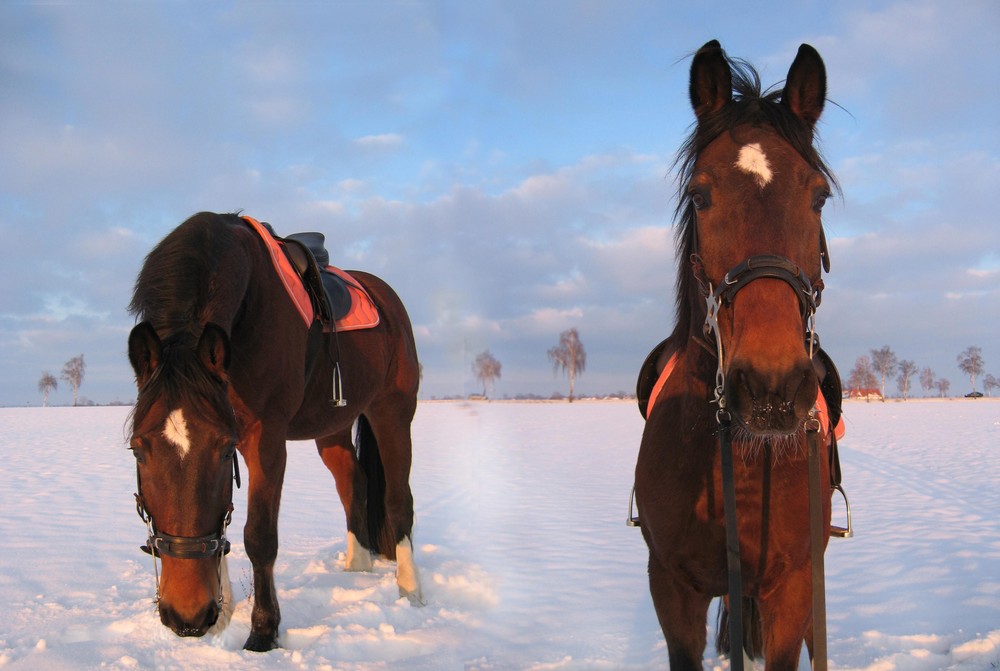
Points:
(184, 438)
(754, 188)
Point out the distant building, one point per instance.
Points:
(870, 394)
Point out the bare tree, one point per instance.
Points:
(972, 364)
(990, 383)
(885, 363)
(46, 384)
(862, 376)
(73, 372)
(907, 369)
(942, 385)
(927, 380)
(487, 369)
(570, 356)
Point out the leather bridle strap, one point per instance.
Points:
(732, 543)
(184, 547)
(774, 267)
(817, 547)
(187, 547)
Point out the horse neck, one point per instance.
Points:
(233, 286)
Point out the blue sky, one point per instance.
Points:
(507, 166)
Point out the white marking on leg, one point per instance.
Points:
(226, 612)
(406, 573)
(176, 432)
(359, 558)
(753, 161)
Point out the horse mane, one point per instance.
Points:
(173, 292)
(180, 377)
(175, 284)
(750, 105)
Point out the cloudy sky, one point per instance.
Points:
(507, 166)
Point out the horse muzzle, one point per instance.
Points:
(196, 625)
(771, 403)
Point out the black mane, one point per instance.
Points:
(173, 292)
(750, 105)
(180, 379)
(173, 287)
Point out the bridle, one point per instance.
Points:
(808, 293)
(159, 544)
(809, 296)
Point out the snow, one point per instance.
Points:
(520, 538)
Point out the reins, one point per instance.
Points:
(809, 295)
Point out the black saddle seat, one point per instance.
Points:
(312, 266)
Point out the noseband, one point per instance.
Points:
(808, 293)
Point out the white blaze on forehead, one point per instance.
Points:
(175, 430)
(752, 160)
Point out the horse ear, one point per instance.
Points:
(213, 350)
(805, 87)
(144, 349)
(711, 84)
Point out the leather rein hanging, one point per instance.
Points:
(809, 295)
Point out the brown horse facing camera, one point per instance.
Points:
(752, 252)
(227, 361)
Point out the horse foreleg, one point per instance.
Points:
(266, 466)
(786, 617)
(337, 454)
(682, 613)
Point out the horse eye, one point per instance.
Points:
(138, 453)
(820, 202)
(698, 200)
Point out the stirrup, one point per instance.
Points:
(633, 519)
(843, 532)
(337, 399)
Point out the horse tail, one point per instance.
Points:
(380, 535)
(753, 634)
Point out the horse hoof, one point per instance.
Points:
(416, 598)
(260, 643)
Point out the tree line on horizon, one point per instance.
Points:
(72, 373)
(569, 356)
(871, 371)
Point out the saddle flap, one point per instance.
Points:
(648, 375)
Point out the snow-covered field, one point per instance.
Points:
(526, 561)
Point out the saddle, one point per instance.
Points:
(320, 292)
(307, 252)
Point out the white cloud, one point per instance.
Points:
(382, 141)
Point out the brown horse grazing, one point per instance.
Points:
(752, 252)
(225, 363)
